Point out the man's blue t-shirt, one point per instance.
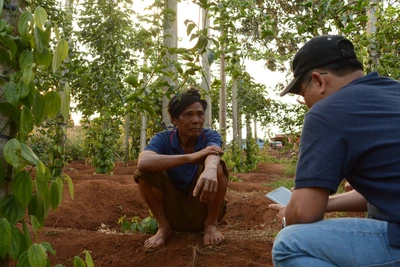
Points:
(167, 143)
(355, 134)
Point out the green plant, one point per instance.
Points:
(101, 142)
(290, 170)
(286, 182)
(251, 154)
(242, 160)
(40, 146)
(54, 135)
(74, 145)
(233, 178)
(78, 261)
(29, 89)
(273, 156)
(74, 150)
(148, 225)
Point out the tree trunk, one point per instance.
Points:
(222, 100)
(7, 127)
(143, 127)
(127, 126)
(371, 31)
(170, 40)
(255, 127)
(62, 122)
(239, 127)
(206, 79)
(249, 134)
(235, 137)
(143, 118)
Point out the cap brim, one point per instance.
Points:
(293, 86)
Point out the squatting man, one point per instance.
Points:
(181, 175)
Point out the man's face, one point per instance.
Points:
(312, 91)
(190, 121)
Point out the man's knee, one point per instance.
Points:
(222, 174)
(149, 180)
(282, 247)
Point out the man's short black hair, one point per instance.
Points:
(338, 69)
(182, 100)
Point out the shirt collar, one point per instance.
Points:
(175, 140)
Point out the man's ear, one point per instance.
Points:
(321, 82)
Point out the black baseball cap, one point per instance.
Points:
(320, 51)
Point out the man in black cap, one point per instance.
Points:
(352, 131)
(181, 175)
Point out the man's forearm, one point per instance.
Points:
(307, 205)
(349, 201)
(156, 162)
(212, 161)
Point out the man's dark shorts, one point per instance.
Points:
(184, 212)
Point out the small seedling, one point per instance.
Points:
(148, 225)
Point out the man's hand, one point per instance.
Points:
(199, 156)
(207, 185)
(280, 208)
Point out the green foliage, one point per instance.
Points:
(268, 157)
(30, 80)
(286, 182)
(106, 32)
(148, 225)
(101, 141)
(251, 155)
(240, 160)
(74, 150)
(52, 141)
(273, 31)
(40, 146)
(290, 170)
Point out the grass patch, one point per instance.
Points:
(290, 170)
(286, 182)
(270, 156)
(233, 178)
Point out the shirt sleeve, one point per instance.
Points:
(213, 138)
(159, 143)
(321, 154)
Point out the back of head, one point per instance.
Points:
(182, 100)
(333, 52)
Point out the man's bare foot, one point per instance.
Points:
(212, 236)
(160, 238)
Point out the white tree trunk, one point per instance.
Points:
(255, 127)
(371, 30)
(127, 126)
(235, 137)
(170, 40)
(143, 127)
(143, 118)
(239, 127)
(206, 79)
(222, 100)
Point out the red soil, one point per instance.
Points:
(90, 223)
